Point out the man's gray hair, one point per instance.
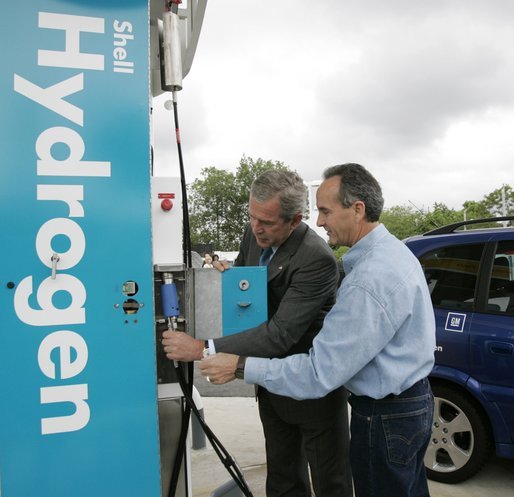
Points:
(287, 185)
(357, 183)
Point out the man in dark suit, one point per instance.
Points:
(302, 281)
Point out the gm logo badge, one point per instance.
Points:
(455, 322)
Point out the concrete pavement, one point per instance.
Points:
(235, 422)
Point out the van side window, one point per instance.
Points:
(501, 285)
(451, 274)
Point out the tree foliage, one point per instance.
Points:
(219, 207)
(402, 221)
(439, 216)
(219, 203)
(475, 210)
(500, 202)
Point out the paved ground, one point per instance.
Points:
(235, 421)
(236, 388)
(232, 413)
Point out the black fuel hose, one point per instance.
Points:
(187, 383)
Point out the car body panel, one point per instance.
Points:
(475, 332)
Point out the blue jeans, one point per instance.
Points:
(389, 438)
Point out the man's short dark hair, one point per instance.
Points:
(357, 183)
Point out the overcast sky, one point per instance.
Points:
(419, 92)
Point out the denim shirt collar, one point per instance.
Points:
(362, 247)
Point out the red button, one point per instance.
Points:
(166, 204)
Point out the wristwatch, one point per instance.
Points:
(240, 368)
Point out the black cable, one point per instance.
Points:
(218, 447)
(181, 445)
(187, 386)
(186, 239)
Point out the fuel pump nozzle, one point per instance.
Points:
(170, 303)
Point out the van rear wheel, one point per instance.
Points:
(461, 438)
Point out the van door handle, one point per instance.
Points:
(501, 348)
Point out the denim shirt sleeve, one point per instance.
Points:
(352, 335)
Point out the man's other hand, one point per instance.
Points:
(179, 346)
(219, 368)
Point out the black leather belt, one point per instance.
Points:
(410, 392)
(407, 393)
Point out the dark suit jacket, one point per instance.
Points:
(302, 281)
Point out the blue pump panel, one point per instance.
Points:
(244, 298)
(77, 345)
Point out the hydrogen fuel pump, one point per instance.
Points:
(96, 260)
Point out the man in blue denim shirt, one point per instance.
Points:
(378, 340)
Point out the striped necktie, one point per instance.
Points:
(265, 256)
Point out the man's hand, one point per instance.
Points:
(221, 265)
(179, 346)
(219, 368)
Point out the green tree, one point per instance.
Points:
(474, 210)
(439, 216)
(219, 202)
(209, 202)
(402, 221)
(494, 201)
(219, 207)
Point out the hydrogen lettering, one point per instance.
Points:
(53, 97)
(73, 165)
(63, 353)
(71, 195)
(64, 342)
(71, 56)
(48, 314)
(74, 394)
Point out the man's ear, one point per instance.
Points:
(360, 209)
(296, 221)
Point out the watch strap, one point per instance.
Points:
(240, 368)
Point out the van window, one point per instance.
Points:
(451, 274)
(501, 284)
